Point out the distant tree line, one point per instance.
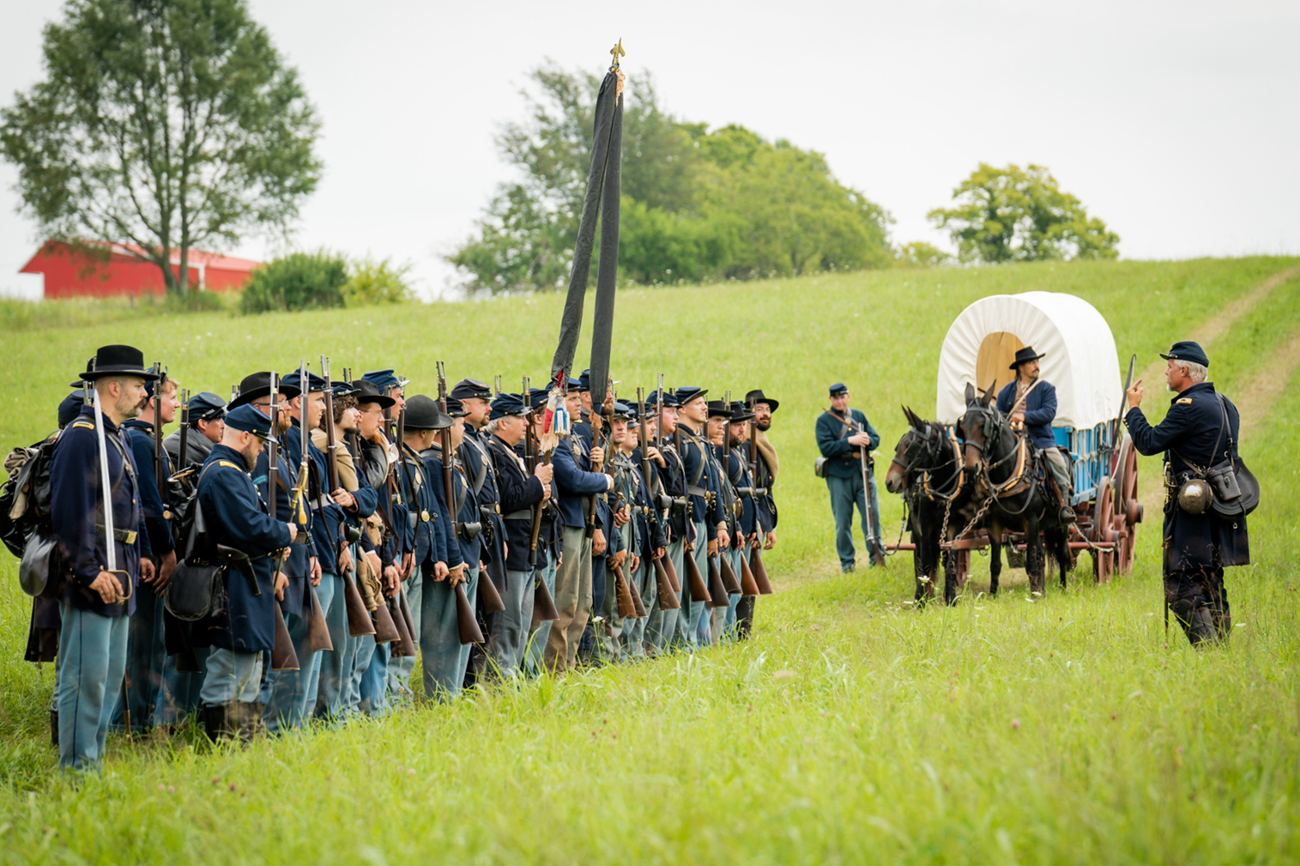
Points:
(697, 205)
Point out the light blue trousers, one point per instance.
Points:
(845, 494)
(91, 665)
(400, 667)
(231, 677)
(536, 648)
(505, 648)
(442, 655)
(661, 625)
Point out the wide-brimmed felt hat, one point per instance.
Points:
(250, 419)
(719, 409)
(422, 413)
(1187, 350)
(258, 385)
(753, 398)
(740, 412)
(368, 392)
(117, 360)
(1026, 355)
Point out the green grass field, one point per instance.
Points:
(852, 728)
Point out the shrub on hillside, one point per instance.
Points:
(378, 282)
(298, 281)
(919, 254)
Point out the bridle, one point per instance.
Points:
(992, 426)
(929, 444)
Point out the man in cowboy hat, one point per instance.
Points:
(97, 602)
(1031, 403)
(1199, 431)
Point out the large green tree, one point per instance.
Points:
(1016, 214)
(163, 125)
(696, 204)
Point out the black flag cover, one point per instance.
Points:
(602, 196)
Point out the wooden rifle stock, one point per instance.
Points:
(623, 592)
(537, 522)
(489, 597)
(760, 573)
(359, 622)
(671, 570)
(384, 629)
(667, 595)
(699, 589)
(748, 585)
(728, 574)
(465, 618)
(405, 644)
(544, 609)
(637, 601)
(318, 631)
(717, 590)
(283, 657)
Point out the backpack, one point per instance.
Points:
(25, 497)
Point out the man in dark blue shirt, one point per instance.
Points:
(1031, 404)
(1199, 431)
(99, 588)
(842, 433)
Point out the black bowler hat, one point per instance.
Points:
(467, 388)
(1025, 355)
(205, 406)
(740, 412)
(839, 389)
(368, 392)
(422, 413)
(258, 385)
(250, 419)
(753, 398)
(719, 409)
(117, 360)
(1187, 350)
(70, 408)
(688, 393)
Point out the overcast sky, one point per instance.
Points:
(1176, 123)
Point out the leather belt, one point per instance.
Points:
(696, 491)
(522, 514)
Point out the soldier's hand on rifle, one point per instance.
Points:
(281, 584)
(724, 538)
(597, 456)
(546, 492)
(373, 559)
(1017, 417)
(635, 563)
(440, 571)
(598, 543)
(392, 579)
(108, 587)
(345, 558)
(408, 565)
(165, 572)
(621, 517)
(456, 576)
(860, 439)
(344, 499)
(654, 454)
(315, 571)
(293, 533)
(544, 472)
(1135, 394)
(659, 553)
(713, 547)
(617, 560)
(770, 541)
(147, 570)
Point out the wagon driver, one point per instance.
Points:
(1031, 403)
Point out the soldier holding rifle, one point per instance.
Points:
(96, 518)
(845, 437)
(668, 493)
(708, 528)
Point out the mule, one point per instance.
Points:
(1004, 468)
(927, 471)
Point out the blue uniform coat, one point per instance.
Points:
(1039, 409)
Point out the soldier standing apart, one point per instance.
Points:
(763, 469)
(96, 602)
(1031, 403)
(842, 433)
(236, 516)
(1199, 431)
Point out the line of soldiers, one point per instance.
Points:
(325, 558)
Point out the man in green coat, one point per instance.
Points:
(842, 433)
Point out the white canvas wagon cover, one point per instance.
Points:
(1079, 349)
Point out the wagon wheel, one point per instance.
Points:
(1128, 510)
(1103, 561)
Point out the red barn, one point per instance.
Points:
(69, 273)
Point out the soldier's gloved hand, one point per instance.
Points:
(108, 587)
(165, 572)
(544, 472)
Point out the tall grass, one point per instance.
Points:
(852, 728)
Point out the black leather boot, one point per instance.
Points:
(1196, 621)
(250, 720)
(54, 728)
(217, 723)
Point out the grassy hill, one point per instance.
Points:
(851, 727)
